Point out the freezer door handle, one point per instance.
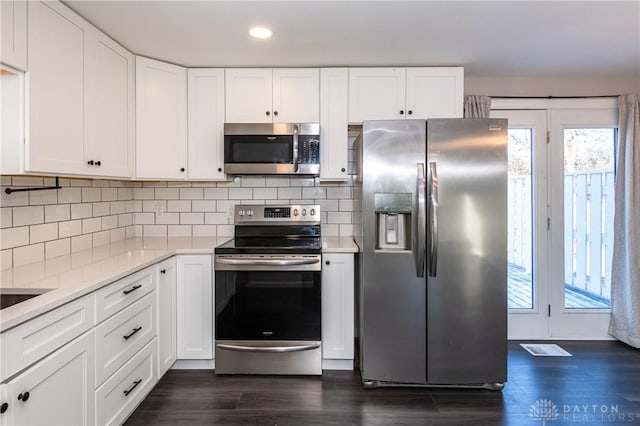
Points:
(433, 219)
(419, 251)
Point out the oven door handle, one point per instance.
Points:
(272, 349)
(267, 262)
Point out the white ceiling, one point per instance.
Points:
(489, 38)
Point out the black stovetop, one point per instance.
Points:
(273, 239)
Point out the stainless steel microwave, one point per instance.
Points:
(266, 148)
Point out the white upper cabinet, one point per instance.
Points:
(279, 95)
(334, 106)
(161, 120)
(396, 93)
(55, 87)
(109, 107)
(206, 123)
(13, 25)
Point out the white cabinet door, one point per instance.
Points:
(166, 294)
(109, 129)
(334, 110)
(296, 95)
(6, 406)
(59, 390)
(195, 307)
(13, 27)
(435, 92)
(376, 94)
(337, 306)
(55, 87)
(248, 94)
(161, 120)
(206, 123)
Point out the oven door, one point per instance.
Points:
(268, 297)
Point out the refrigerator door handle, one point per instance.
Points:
(419, 251)
(433, 219)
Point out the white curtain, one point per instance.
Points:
(477, 106)
(625, 269)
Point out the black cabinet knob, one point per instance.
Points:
(275, 112)
(343, 169)
(182, 169)
(98, 163)
(327, 262)
(4, 407)
(163, 271)
(90, 162)
(401, 112)
(219, 169)
(409, 112)
(268, 112)
(23, 397)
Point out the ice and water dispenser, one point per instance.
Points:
(393, 221)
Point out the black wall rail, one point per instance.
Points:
(44, 188)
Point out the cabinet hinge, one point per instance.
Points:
(548, 310)
(548, 136)
(548, 224)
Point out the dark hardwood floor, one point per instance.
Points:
(598, 385)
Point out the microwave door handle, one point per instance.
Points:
(295, 147)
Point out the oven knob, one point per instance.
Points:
(312, 212)
(304, 212)
(240, 212)
(295, 212)
(249, 212)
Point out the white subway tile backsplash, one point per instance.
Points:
(28, 254)
(6, 219)
(179, 230)
(143, 193)
(265, 193)
(155, 230)
(339, 192)
(179, 206)
(57, 248)
(70, 228)
(130, 206)
(100, 238)
(299, 181)
(117, 234)
(216, 219)
(167, 194)
(330, 230)
(27, 181)
(109, 222)
(90, 195)
(313, 192)
(192, 218)
(289, 193)
(253, 182)
(14, 237)
(168, 219)
(203, 206)
(191, 193)
(69, 195)
(81, 242)
(346, 205)
(154, 206)
(28, 215)
(101, 209)
(205, 231)
(6, 259)
(131, 231)
(154, 184)
(216, 193)
(144, 218)
(57, 212)
(346, 230)
(125, 194)
(80, 182)
(109, 194)
(240, 193)
(14, 199)
(45, 232)
(338, 217)
(125, 219)
(224, 230)
(91, 225)
(117, 207)
(276, 181)
(81, 211)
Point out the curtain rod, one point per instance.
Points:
(553, 97)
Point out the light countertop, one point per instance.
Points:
(72, 276)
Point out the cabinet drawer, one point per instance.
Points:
(25, 344)
(121, 336)
(122, 393)
(122, 293)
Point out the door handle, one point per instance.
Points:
(433, 219)
(419, 248)
(278, 349)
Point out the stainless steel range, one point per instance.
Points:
(268, 281)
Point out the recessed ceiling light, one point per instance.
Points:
(260, 32)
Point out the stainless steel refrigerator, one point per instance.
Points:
(433, 275)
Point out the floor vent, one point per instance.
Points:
(538, 349)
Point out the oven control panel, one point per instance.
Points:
(297, 213)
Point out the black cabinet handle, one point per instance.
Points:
(219, 169)
(401, 112)
(275, 112)
(327, 262)
(128, 391)
(90, 162)
(134, 288)
(98, 163)
(343, 169)
(409, 112)
(163, 271)
(268, 112)
(182, 169)
(4, 407)
(23, 397)
(135, 330)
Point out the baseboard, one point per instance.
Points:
(337, 364)
(194, 364)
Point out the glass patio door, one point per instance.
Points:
(582, 165)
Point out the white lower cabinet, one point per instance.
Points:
(195, 307)
(121, 394)
(57, 390)
(166, 296)
(6, 406)
(338, 311)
